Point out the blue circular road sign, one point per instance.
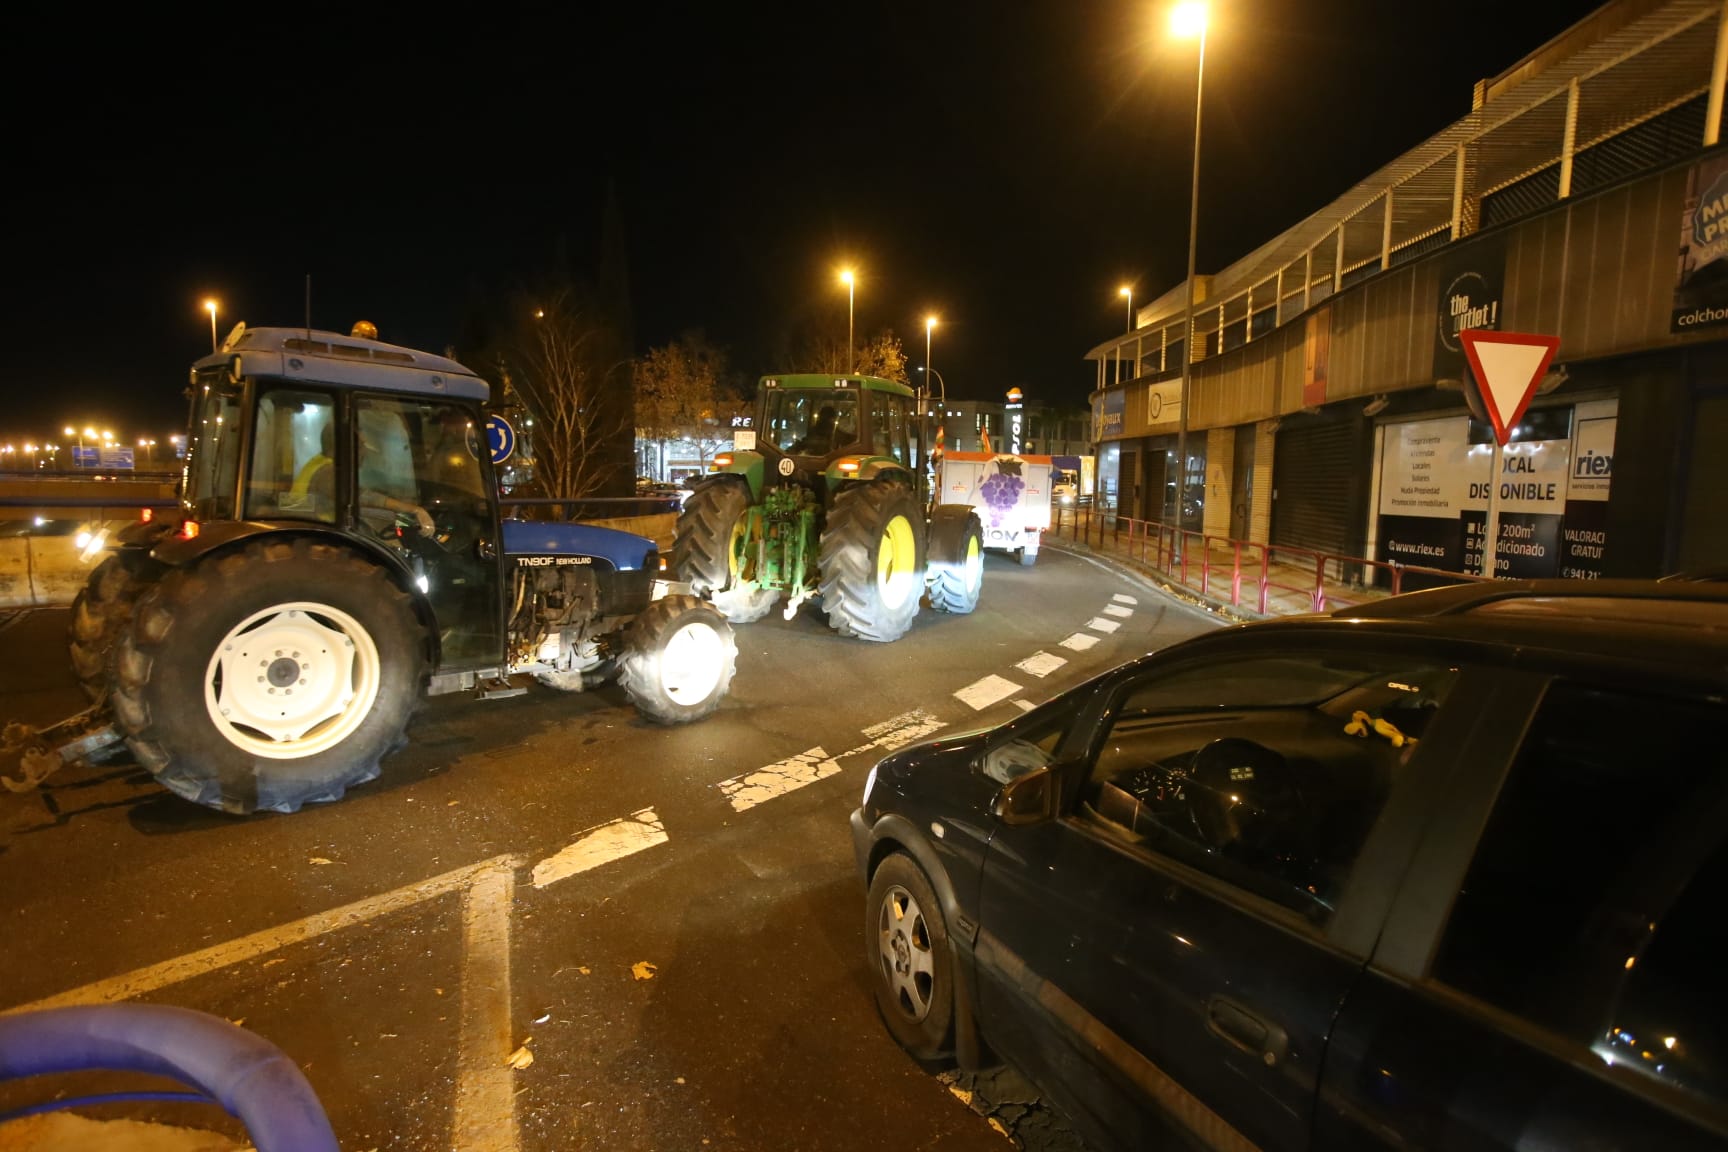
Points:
(500, 438)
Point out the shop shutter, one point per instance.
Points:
(1313, 480)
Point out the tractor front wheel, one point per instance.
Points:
(955, 575)
(872, 561)
(269, 678)
(708, 550)
(679, 657)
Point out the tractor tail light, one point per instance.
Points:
(189, 530)
(145, 515)
(723, 460)
(848, 465)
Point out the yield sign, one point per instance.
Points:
(1508, 366)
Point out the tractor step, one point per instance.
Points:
(498, 689)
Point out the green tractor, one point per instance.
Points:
(821, 496)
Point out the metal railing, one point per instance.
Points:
(1225, 568)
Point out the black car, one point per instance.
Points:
(1449, 871)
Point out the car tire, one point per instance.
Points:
(911, 961)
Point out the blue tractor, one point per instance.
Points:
(337, 554)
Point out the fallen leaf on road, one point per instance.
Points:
(544, 1018)
(320, 860)
(240, 1023)
(582, 968)
(643, 970)
(452, 803)
(520, 1058)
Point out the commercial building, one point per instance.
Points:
(1583, 197)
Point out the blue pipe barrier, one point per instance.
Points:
(250, 1077)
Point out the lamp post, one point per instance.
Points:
(929, 329)
(210, 307)
(1188, 21)
(846, 278)
(1128, 294)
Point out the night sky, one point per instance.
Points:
(1007, 165)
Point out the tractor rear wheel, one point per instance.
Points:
(955, 574)
(872, 561)
(101, 613)
(269, 678)
(679, 657)
(707, 550)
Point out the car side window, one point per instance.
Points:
(1592, 906)
(1267, 773)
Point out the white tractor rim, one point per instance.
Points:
(691, 663)
(292, 680)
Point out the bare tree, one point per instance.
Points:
(579, 395)
(879, 355)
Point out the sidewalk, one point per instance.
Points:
(1224, 577)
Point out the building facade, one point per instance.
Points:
(1584, 197)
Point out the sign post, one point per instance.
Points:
(1507, 367)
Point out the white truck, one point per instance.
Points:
(1010, 492)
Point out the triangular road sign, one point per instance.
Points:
(1508, 366)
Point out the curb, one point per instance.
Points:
(1160, 581)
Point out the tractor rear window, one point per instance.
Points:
(811, 422)
(293, 458)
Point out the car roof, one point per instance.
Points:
(1679, 628)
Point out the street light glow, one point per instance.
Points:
(846, 277)
(1125, 292)
(1188, 20)
(930, 322)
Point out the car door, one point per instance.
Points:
(1165, 955)
(1550, 976)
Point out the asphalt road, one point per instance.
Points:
(667, 922)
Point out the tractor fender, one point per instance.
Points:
(177, 551)
(867, 468)
(751, 467)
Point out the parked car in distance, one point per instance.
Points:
(1443, 871)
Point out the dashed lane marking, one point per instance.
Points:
(983, 693)
(1099, 624)
(1024, 705)
(904, 729)
(485, 1114)
(1121, 599)
(602, 844)
(1040, 664)
(745, 792)
(1079, 642)
(1117, 610)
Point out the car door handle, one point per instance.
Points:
(1253, 1034)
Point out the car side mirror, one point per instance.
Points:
(1028, 799)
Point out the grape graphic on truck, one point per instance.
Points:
(1011, 494)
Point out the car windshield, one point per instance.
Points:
(213, 450)
(811, 422)
(1330, 685)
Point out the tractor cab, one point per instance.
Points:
(840, 427)
(352, 436)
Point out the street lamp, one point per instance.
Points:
(1128, 294)
(1188, 22)
(210, 307)
(851, 357)
(930, 323)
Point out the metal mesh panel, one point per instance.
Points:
(1535, 192)
(1656, 142)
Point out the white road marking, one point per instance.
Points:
(745, 792)
(602, 845)
(985, 692)
(485, 1113)
(1099, 624)
(143, 981)
(1121, 599)
(902, 730)
(1040, 664)
(1117, 610)
(1079, 642)
(1024, 705)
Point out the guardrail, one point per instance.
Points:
(1204, 563)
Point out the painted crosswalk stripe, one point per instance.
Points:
(1040, 664)
(1098, 623)
(1024, 705)
(602, 845)
(1121, 599)
(1079, 642)
(988, 691)
(1117, 610)
(764, 784)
